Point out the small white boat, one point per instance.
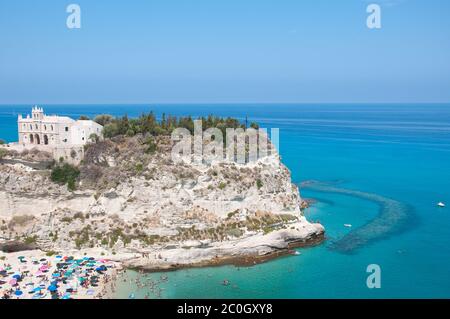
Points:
(348, 225)
(441, 204)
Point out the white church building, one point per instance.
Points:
(60, 136)
(55, 131)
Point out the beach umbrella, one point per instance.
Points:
(52, 288)
(90, 292)
(17, 276)
(13, 282)
(59, 257)
(37, 289)
(18, 293)
(56, 275)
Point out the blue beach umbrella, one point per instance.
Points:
(16, 276)
(18, 293)
(52, 288)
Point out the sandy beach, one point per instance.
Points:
(34, 275)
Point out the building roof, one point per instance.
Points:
(86, 122)
(56, 118)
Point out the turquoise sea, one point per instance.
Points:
(382, 168)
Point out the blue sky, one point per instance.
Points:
(193, 51)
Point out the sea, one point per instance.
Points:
(381, 168)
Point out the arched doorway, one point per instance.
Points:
(38, 139)
(45, 139)
(31, 139)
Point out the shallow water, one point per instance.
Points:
(398, 154)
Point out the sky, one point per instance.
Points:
(224, 51)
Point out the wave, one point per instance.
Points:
(394, 217)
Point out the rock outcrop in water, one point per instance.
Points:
(129, 200)
(393, 217)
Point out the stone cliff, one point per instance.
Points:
(128, 199)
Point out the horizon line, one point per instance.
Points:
(223, 103)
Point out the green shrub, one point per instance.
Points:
(259, 184)
(103, 119)
(30, 240)
(147, 123)
(139, 167)
(66, 220)
(3, 152)
(254, 125)
(65, 174)
(94, 138)
(78, 215)
(222, 185)
(151, 146)
(50, 253)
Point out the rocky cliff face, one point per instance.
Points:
(130, 199)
